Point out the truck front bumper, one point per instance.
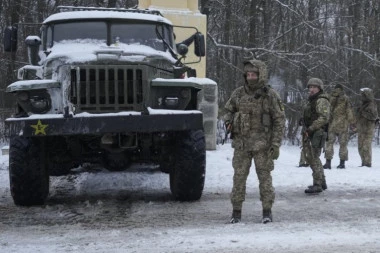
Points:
(101, 124)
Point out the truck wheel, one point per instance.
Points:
(188, 176)
(28, 176)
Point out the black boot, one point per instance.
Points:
(267, 216)
(366, 164)
(327, 164)
(314, 189)
(323, 185)
(236, 216)
(341, 165)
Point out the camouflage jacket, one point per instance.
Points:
(317, 112)
(367, 112)
(258, 119)
(341, 113)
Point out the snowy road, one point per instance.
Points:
(134, 212)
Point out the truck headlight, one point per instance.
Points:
(39, 105)
(35, 101)
(171, 102)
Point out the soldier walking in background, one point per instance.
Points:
(255, 115)
(341, 117)
(316, 116)
(366, 119)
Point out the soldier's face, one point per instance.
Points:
(252, 76)
(313, 89)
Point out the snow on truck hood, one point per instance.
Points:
(91, 50)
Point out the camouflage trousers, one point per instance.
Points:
(312, 158)
(241, 163)
(365, 145)
(343, 141)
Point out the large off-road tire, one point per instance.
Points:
(188, 175)
(28, 176)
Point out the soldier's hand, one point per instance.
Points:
(228, 126)
(274, 152)
(353, 129)
(300, 122)
(307, 133)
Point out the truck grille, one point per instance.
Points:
(100, 89)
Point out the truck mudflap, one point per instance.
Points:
(100, 124)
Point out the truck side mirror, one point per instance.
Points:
(199, 44)
(10, 39)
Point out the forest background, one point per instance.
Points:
(337, 41)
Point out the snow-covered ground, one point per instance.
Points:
(133, 212)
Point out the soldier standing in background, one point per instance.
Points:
(341, 117)
(316, 116)
(366, 120)
(255, 115)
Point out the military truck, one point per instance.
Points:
(105, 86)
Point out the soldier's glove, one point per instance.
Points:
(227, 124)
(228, 127)
(377, 121)
(307, 133)
(274, 152)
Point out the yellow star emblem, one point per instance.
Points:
(40, 128)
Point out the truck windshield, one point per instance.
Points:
(148, 34)
(79, 30)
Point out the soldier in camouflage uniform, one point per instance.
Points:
(255, 115)
(341, 117)
(316, 116)
(366, 120)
